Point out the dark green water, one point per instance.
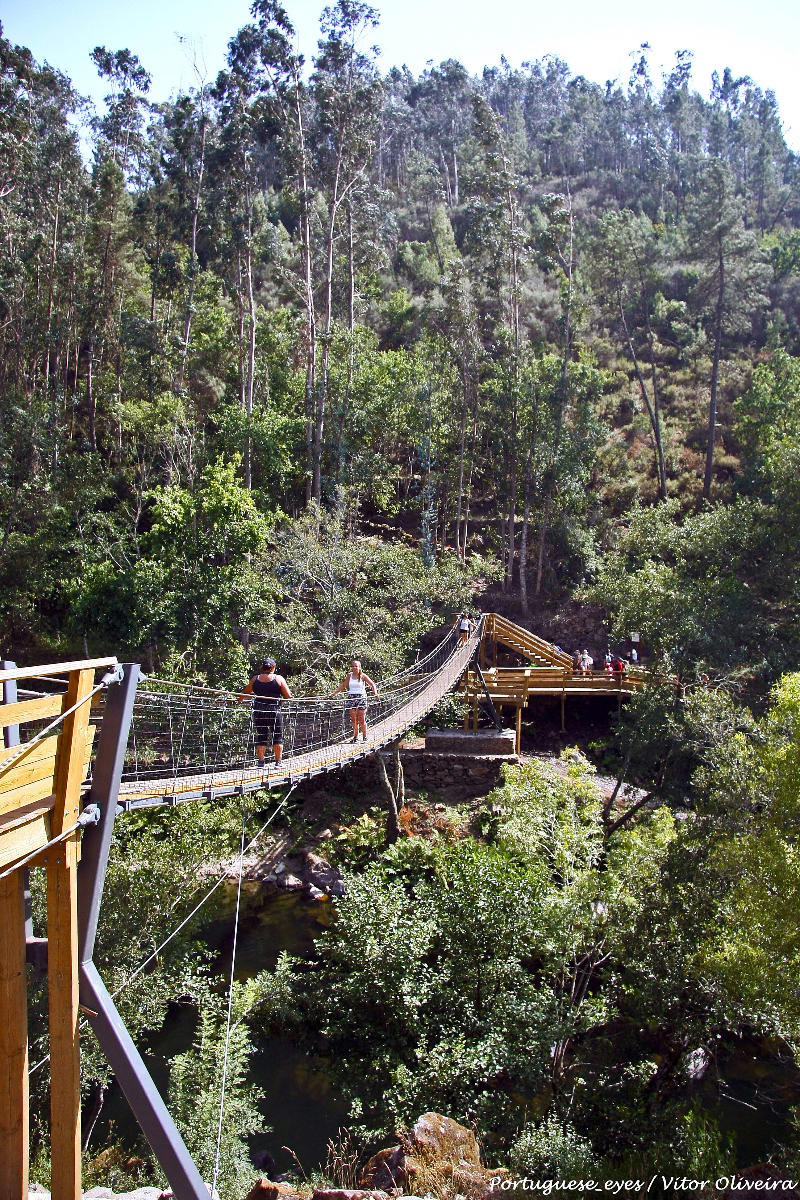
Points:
(299, 1110)
(300, 1106)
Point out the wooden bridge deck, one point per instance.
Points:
(174, 790)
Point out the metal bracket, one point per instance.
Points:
(115, 676)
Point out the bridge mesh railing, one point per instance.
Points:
(182, 731)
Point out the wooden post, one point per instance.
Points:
(62, 950)
(563, 705)
(14, 1117)
(519, 728)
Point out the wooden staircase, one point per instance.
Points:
(550, 673)
(499, 630)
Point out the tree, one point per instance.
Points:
(732, 277)
(347, 93)
(627, 259)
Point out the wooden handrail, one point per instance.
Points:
(57, 668)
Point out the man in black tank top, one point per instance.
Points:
(268, 689)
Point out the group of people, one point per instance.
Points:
(268, 689)
(613, 664)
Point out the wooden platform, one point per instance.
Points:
(548, 671)
(41, 775)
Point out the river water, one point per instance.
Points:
(300, 1109)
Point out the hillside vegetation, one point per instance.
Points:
(316, 353)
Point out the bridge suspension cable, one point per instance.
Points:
(187, 740)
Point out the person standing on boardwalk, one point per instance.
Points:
(268, 689)
(355, 684)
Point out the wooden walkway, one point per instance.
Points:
(297, 767)
(550, 673)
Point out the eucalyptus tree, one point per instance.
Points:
(644, 132)
(628, 274)
(285, 94)
(244, 125)
(554, 243)
(347, 93)
(499, 229)
(42, 202)
(732, 276)
(441, 102)
(119, 155)
(458, 320)
(683, 129)
(189, 127)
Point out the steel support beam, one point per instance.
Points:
(132, 1075)
(141, 1093)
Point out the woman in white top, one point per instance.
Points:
(355, 684)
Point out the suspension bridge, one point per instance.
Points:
(77, 748)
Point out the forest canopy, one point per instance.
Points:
(315, 354)
(486, 315)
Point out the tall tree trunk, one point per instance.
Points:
(712, 407)
(351, 326)
(322, 396)
(542, 543)
(90, 397)
(50, 302)
(187, 324)
(461, 448)
(395, 795)
(650, 405)
(563, 399)
(251, 354)
(526, 513)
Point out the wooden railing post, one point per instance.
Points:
(14, 1100)
(62, 940)
(14, 1117)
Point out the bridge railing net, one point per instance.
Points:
(180, 731)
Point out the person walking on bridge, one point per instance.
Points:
(268, 689)
(355, 684)
(465, 626)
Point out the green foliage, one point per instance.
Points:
(754, 948)
(706, 588)
(349, 597)
(478, 979)
(551, 1150)
(195, 1089)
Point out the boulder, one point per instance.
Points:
(347, 1194)
(320, 874)
(386, 1169)
(437, 1156)
(265, 1189)
(290, 883)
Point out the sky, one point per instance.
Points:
(176, 38)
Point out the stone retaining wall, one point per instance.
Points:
(449, 777)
